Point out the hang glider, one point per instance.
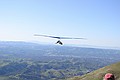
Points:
(56, 37)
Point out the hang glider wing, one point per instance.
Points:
(57, 37)
(47, 36)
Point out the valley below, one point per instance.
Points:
(31, 61)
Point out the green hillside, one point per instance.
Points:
(99, 74)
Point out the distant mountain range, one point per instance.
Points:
(79, 45)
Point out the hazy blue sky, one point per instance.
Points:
(96, 20)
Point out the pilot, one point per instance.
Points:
(59, 42)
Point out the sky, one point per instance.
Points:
(96, 20)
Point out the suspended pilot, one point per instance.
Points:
(59, 42)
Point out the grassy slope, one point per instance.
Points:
(99, 74)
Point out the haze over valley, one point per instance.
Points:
(32, 61)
